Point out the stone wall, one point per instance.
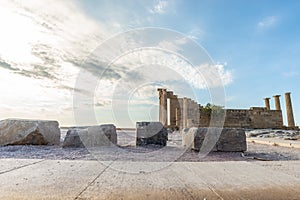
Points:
(242, 118)
(265, 118)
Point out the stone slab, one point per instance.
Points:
(29, 132)
(72, 139)
(62, 179)
(49, 179)
(7, 165)
(219, 139)
(275, 142)
(93, 136)
(151, 133)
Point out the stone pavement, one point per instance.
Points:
(275, 142)
(78, 179)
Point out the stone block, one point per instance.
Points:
(151, 133)
(230, 139)
(72, 139)
(98, 136)
(29, 132)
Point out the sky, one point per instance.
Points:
(101, 61)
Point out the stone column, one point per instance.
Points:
(267, 103)
(189, 118)
(277, 102)
(197, 115)
(184, 112)
(289, 110)
(163, 112)
(173, 106)
(179, 115)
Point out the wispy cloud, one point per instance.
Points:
(39, 43)
(195, 33)
(42, 51)
(160, 7)
(267, 22)
(42, 47)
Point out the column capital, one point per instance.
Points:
(161, 89)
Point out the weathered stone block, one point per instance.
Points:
(72, 139)
(226, 139)
(232, 140)
(29, 132)
(97, 136)
(151, 133)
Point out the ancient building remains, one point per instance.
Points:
(151, 133)
(289, 110)
(180, 113)
(221, 139)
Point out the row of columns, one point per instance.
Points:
(181, 113)
(184, 112)
(289, 108)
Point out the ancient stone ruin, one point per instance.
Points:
(151, 133)
(29, 132)
(194, 121)
(221, 139)
(180, 113)
(94, 136)
(72, 139)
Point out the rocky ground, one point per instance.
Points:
(126, 150)
(281, 134)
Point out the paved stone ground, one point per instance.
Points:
(66, 179)
(275, 142)
(129, 172)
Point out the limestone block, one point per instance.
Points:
(230, 139)
(97, 136)
(72, 139)
(151, 133)
(188, 135)
(29, 132)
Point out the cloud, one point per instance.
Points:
(160, 7)
(195, 33)
(171, 68)
(42, 47)
(45, 42)
(174, 45)
(38, 41)
(267, 22)
(6, 65)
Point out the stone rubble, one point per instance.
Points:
(268, 133)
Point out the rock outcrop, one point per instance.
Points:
(151, 133)
(29, 132)
(227, 139)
